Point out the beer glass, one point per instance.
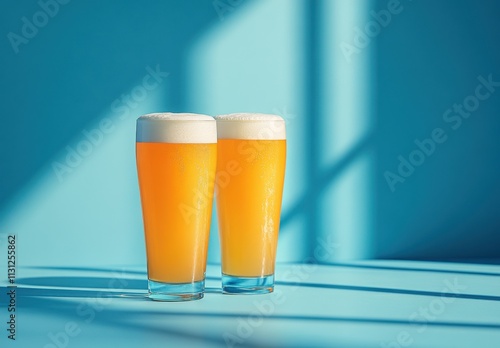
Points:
(176, 161)
(251, 155)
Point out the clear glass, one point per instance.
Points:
(249, 188)
(176, 185)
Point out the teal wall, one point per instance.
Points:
(429, 62)
(73, 87)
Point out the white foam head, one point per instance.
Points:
(170, 127)
(251, 126)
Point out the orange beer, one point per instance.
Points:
(251, 156)
(176, 161)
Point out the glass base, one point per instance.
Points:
(247, 285)
(174, 292)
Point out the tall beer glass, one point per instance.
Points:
(176, 161)
(251, 154)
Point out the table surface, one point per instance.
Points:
(361, 304)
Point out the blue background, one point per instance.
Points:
(349, 117)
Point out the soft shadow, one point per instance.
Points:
(85, 282)
(333, 319)
(102, 287)
(413, 269)
(324, 179)
(98, 74)
(89, 287)
(392, 291)
(89, 269)
(62, 293)
(131, 318)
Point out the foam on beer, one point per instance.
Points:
(170, 127)
(251, 126)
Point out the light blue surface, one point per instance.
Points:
(362, 304)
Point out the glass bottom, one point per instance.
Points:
(247, 285)
(175, 292)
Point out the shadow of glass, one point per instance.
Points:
(77, 293)
(85, 282)
(128, 318)
(90, 287)
(90, 269)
